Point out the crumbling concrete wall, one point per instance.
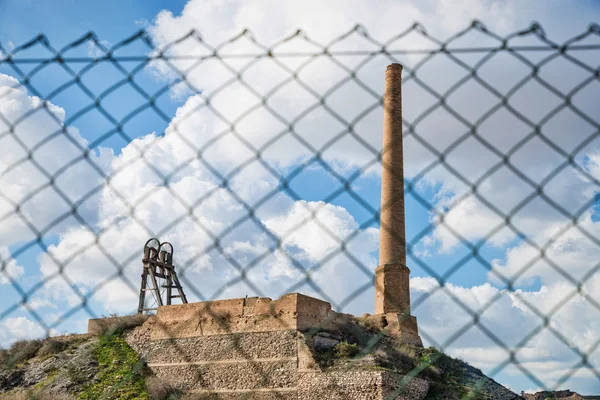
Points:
(290, 312)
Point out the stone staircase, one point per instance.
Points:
(255, 348)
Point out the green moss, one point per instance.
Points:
(119, 374)
(329, 357)
(76, 375)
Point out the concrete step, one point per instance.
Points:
(230, 374)
(262, 394)
(246, 346)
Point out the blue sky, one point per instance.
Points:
(63, 21)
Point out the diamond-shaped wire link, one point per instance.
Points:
(182, 66)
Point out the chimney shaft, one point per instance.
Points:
(392, 284)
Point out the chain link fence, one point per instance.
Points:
(258, 151)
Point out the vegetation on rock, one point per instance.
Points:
(75, 367)
(363, 344)
(119, 371)
(19, 352)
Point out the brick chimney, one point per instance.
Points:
(392, 282)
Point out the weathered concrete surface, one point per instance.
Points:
(98, 326)
(290, 312)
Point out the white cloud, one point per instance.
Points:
(270, 21)
(95, 50)
(511, 321)
(10, 269)
(17, 328)
(321, 233)
(571, 251)
(37, 303)
(28, 203)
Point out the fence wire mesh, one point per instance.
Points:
(470, 119)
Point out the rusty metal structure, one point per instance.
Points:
(159, 276)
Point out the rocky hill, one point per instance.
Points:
(106, 366)
(558, 394)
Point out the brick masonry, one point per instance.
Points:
(392, 284)
(392, 241)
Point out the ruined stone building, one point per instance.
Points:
(258, 348)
